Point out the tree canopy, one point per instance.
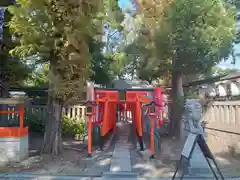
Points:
(105, 50)
(197, 33)
(181, 37)
(12, 70)
(58, 32)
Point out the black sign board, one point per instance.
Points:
(189, 146)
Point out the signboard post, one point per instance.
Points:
(186, 155)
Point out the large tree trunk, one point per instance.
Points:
(53, 136)
(177, 100)
(177, 105)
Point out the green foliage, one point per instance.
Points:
(13, 71)
(39, 77)
(100, 65)
(194, 34)
(101, 68)
(115, 35)
(216, 71)
(191, 93)
(58, 32)
(201, 33)
(182, 37)
(5, 3)
(34, 122)
(72, 127)
(118, 65)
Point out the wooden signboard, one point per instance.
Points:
(186, 155)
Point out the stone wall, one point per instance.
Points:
(223, 143)
(13, 149)
(223, 127)
(222, 130)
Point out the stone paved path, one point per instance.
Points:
(121, 161)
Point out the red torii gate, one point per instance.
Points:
(105, 111)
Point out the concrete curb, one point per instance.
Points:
(45, 177)
(58, 177)
(29, 174)
(154, 178)
(192, 178)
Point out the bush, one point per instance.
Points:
(72, 127)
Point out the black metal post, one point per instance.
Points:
(140, 140)
(101, 142)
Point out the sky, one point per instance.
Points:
(125, 3)
(224, 64)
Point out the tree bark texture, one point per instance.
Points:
(177, 101)
(53, 137)
(176, 107)
(52, 143)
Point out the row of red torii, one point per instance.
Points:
(103, 104)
